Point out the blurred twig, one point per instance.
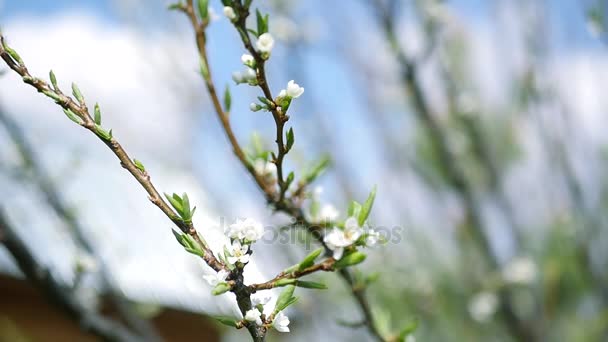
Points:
(448, 161)
(42, 277)
(47, 187)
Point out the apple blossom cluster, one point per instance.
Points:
(260, 315)
(349, 236)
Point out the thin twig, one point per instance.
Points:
(81, 110)
(281, 202)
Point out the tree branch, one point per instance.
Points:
(80, 114)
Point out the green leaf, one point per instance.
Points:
(284, 282)
(408, 329)
(288, 303)
(309, 260)
(180, 238)
(77, 94)
(253, 32)
(260, 21)
(139, 165)
(317, 169)
(248, 3)
(14, 55)
(354, 208)
(266, 101)
(52, 95)
(53, 79)
(176, 203)
(220, 288)
(290, 139)
(289, 180)
(367, 206)
(311, 285)
(226, 320)
(227, 2)
(227, 99)
(72, 116)
(350, 260)
(284, 298)
(175, 6)
(186, 213)
(203, 9)
(97, 114)
(105, 135)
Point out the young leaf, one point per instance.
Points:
(186, 214)
(408, 329)
(53, 79)
(285, 299)
(139, 165)
(97, 114)
(180, 238)
(77, 94)
(290, 139)
(350, 260)
(260, 22)
(229, 321)
(288, 303)
(311, 285)
(52, 95)
(309, 260)
(14, 55)
(227, 99)
(317, 170)
(72, 116)
(284, 282)
(367, 207)
(175, 6)
(103, 133)
(220, 288)
(176, 203)
(354, 208)
(289, 180)
(203, 9)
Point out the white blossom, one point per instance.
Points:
(372, 238)
(338, 238)
(329, 213)
(521, 270)
(249, 75)
(281, 322)
(237, 252)
(237, 77)
(229, 12)
(253, 315)
(282, 94)
(260, 300)
(265, 168)
(482, 306)
(294, 90)
(247, 59)
(265, 43)
(216, 278)
(247, 229)
(254, 107)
